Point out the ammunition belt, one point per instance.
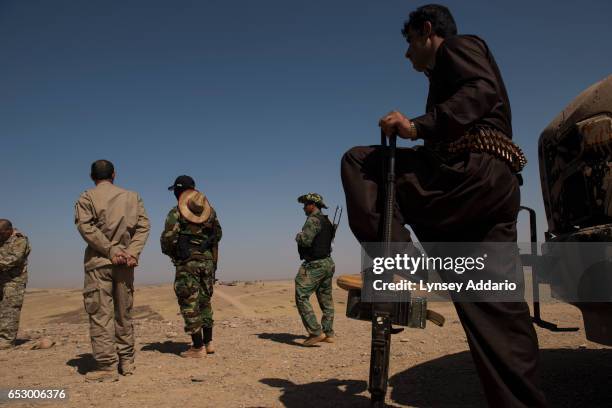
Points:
(492, 141)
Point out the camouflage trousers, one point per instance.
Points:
(316, 277)
(193, 285)
(12, 290)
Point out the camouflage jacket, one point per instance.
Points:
(311, 228)
(170, 235)
(14, 255)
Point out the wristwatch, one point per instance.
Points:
(412, 130)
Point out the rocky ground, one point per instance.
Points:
(259, 362)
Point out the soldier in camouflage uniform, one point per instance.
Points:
(14, 251)
(316, 272)
(191, 239)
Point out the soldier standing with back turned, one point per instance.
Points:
(316, 272)
(115, 226)
(191, 239)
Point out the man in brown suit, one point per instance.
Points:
(115, 226)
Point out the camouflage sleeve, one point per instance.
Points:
(14, 254)
(169, 236)
(218, 230)
(311, 228)
(141, 232)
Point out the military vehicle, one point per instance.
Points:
(575, 158)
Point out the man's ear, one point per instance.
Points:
(427, 29)
(113, 176)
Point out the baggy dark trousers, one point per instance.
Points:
(474, 198)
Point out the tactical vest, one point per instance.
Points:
(195, 240)
(321, 244)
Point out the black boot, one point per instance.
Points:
(207, 334)
(197, 339)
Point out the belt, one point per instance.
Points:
(494, 142)
(194, 257)
(317, 259)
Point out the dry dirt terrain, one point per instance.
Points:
(259, 362)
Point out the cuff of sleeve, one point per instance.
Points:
(424, 126)
(132, 253)
(113, 251)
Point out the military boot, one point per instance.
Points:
(207, 339)
(329, 339)
(127, 367)
(102, 374)
(313, 339)
(194, 352)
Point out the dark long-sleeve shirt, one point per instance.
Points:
(465, 90)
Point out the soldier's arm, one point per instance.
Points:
(169, 236)
(218, 235)
(141, 232)
(471, 73)
(15, 255)
(311, 228)
(218, 230)
(85, 221)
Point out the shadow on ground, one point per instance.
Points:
(570, 378)
(336, 393)
(84, 363)
(167, 347)
(285, 338)
(19, 342)
(78, 316)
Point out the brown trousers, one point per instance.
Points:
(108, 297)
(472, 199)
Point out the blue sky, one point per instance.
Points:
(256, 100)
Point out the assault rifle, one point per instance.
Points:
(382, 313)
(408, 311)
(336, 222)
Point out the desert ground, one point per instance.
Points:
(259, 362)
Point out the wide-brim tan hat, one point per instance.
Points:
(194, 206)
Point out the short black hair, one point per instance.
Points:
(102, 170)
(5, 224)
(442, 21)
